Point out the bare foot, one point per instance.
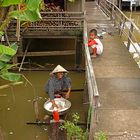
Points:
(94, 56)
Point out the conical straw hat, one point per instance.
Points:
(59, 68)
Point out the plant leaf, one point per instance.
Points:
(7, 50)
(33, 4)
(5, 58)
(13, 77)
(26, 15)
(14, 46)
(6, 3)
(1, 33)
(9, 66)
(2, 64)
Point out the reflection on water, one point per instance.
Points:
(16, 107)
(134, 16)
(134, 48)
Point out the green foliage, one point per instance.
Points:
(1, 33)
(2, 64)
(11, 76)
(5, 74)
(4, 24)
(33, 4)
(6, 3)
(73, 130)
(5, 58)
(6, 50)
(101, 136)
(7, 67)
(6, 53)
(26, 15)
(31, 12)
(76, 118)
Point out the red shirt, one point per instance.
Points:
(91, 42)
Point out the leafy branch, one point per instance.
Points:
(101, 136)
(73, 130)
(30, 13)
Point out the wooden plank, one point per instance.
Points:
(50, 34)
(44, 35)
(36, 109)
(45, 69)
(48, 53)
(44, 27)
(74, 13)
(64, 18)
(49, 123)
(24, 54)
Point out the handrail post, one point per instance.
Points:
(112, 12)
(115, 12)
(105, 6)
(18, 26)
(121, 20)
(92, 86)
(130, 36)
(120, 5)
(122, 28)
(98, 1)
(94, 117)
(120, 24)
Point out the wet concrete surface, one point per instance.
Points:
(118, 84)
(118, 81)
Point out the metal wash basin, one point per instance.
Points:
(62, 103)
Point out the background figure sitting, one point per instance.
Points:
(94, 43)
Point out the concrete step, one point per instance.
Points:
(115, 71)
(118, 84)
(123, 135)
(118, 120)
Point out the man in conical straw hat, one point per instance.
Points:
(57, 83)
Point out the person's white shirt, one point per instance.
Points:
(99, 46)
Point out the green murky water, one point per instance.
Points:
(135, 16)
(16, 106)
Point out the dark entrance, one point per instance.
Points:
(55, 2)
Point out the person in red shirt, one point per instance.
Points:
(94, 43)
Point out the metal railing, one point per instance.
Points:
(127, 28)
(56, 21)
(92, 85)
